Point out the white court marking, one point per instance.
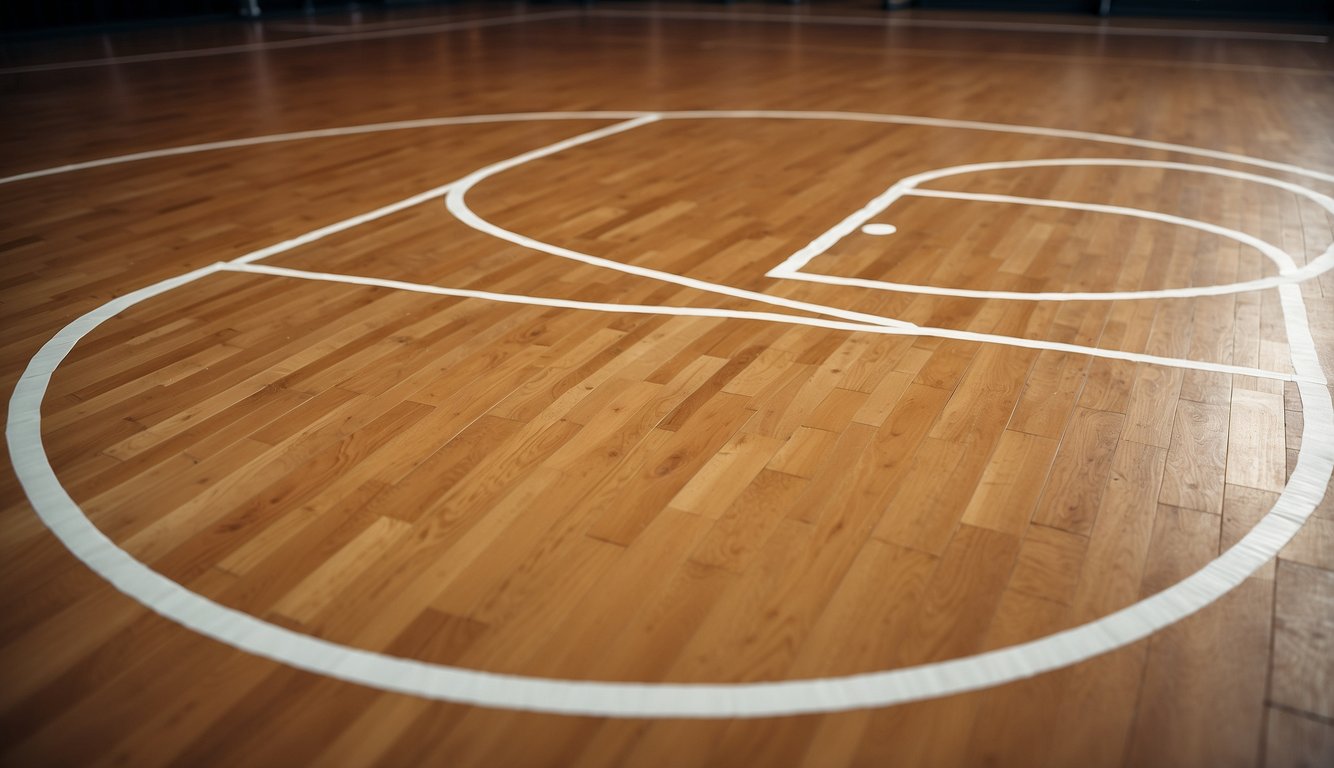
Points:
(62, 515)
(1288, 271)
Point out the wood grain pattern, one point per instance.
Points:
(584, 495)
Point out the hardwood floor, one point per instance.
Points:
(634, 453)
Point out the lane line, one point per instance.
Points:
(772, 317)
(341, 226)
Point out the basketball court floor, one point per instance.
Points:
(668, 385)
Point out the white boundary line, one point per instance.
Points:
(1305, 488)
(1289, 272)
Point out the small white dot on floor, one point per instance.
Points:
(880, 229)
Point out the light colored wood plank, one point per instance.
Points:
(1011, 484)
(726, 475)
(804, 452)
(321, 588)
(1153, 400)
(1255, 434)
(1079, 474)
(1049, 564)
(1050, 393)
(1197, 460)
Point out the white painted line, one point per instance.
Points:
(278, 45)
(345, 224)
(792, 267)
(975, 125)
(322, 133)
(772, 317)
(1098, 30)
(455, 201)
(767, 114)
(1305, 489)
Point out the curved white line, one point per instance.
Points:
(457, 204)
(431, 194)
(52, 503)
(454, 200)
(861, 117)
(63, 516)
(1323, 200)
(975, 125)
(323, 133)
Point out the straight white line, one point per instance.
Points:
(792, 265)
(224, 50)
(343, 225)
(1099, 30)
(773, 317)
